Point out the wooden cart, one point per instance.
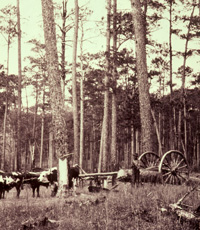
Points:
(172, 166)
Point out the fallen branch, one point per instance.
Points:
(183, 213)
(187, 194)
(192, 216)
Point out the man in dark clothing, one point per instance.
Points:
(135, 170)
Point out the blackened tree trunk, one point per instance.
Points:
(56, 97)
(143, 85)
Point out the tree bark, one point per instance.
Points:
(158, 134)
(19, 90)
(114, 103)
(183, 82)
(56, 96)
(51, 152)
(132, 142)
(101, 148)
(6, 109)
(81, 100)
(63, 48)
(170, 49)
(137, 142)
(106, 93)
(198, 141)
(42, 128)
(143, 85)
(33, 141)
(171, 120)
(74, 91)
(179, 130)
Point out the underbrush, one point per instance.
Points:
(122, 208)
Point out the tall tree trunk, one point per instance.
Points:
(3, 159)
(74, 92)
(64, 14)
(132, 142)
(125, 149)
(27, 135)
(159, 126)
(157, 134)
(137, 141)
(19, 90)
(143, 85)
(6, 108)
(179, 129)
(106, 93)
(92, 163)
(171, 120)
(175, 128)
(198, 140)
(101, 148)
(170, 50)
(183, 81)
(81, 100)
(56, 96)
(51, 152)
(42, 129)
(81, 119)
(33, 141)
(114, 103)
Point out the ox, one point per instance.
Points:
(2, 187)
(9, 181)
(51, 177)
(31, 178)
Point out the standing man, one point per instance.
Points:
(135, 170)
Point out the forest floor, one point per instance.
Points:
(122, 208)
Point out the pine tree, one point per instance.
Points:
(56, 96)
(143, 85)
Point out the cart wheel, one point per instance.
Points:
(174, 167)
(149, 161)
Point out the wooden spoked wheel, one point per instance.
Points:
(149, 161)
(174, 167)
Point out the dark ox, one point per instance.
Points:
(17, 180)
(51, 177)
(31, 178)
(9, 181)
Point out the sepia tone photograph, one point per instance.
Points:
(100, 114)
